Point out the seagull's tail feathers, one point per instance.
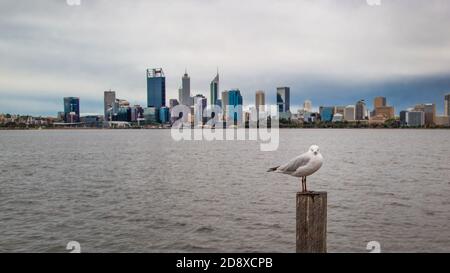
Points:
(273, 169)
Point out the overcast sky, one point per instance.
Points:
(332, 52)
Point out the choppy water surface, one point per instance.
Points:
(138, 190)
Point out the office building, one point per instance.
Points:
(360, 110)
(349, 113)
(164, 115)
(71, 110)
(156, 88)
(339, 110)
(283, 99)
(185, 91)
(235, 100)
(260, 101)
(124, 114)
(387, 112)
(151, 115)
(109, 103)
(430, 112)
(415, 118)
(326, 113)
(403, 118)
(447, 105)
(442, 121)
(214, 89)
(307, 106)
(379, 102)
(225, 103)
(338, 117)
(200, 104)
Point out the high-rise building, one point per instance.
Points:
(388, 112)
(200, 104)
(403, 115)
(235, 100)
(185, 98)
(109, 103)
(156, 88)
(283, 99)
(260, 100)
(71, 110)
(360, 110)
(430, 112)
(164, 115)
(447, 105)
(349, 113)
(381, 110)
(379, 102)
(307, 106)
(326, 113)
(415, 118)
(225, 103)
(214, 89)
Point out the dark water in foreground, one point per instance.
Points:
(138, 190)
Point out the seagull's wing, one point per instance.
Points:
(295, 163)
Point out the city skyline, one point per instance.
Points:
(358, 51)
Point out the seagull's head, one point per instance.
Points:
(314, 149)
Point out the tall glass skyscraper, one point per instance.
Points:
(214, 89)
(185, 92)
(235, 99)
(156, 88)
(283, 99)
(71, 109)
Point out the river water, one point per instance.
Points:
(141, 191)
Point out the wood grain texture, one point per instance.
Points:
(311, 222)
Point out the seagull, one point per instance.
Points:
(302, 166)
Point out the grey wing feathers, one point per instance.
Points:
(294, 164)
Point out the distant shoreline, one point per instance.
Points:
(284, 128)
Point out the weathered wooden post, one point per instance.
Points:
(311, 222)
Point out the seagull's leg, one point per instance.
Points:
(305, 185)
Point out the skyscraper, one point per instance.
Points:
(185, 98)
(283, 99)
(381, 110)
(360, 110)
(327, 113)
(430, 112)
(235, 99)
(200, 104)
(260, 100)
(109, 103)
(214, 89)
(156, 88)
(379, 102)
(71, 110)
(225, 103)
(447, 105)
(307, 106)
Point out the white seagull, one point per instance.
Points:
(302, 166)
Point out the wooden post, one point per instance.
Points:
(311, 222)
